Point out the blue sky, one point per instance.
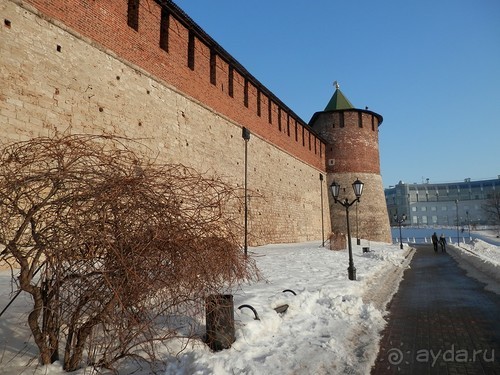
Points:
(430, 68)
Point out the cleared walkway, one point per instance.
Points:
(440, 321)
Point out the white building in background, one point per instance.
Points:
(442, 204)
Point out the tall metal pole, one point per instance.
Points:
(358, 240)
(468, 222)
(351, 269)
(322, 216)
(246, 137)
(246, 197)
(400, 235)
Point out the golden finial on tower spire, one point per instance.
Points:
(336, 85)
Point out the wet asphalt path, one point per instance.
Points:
(440, 322)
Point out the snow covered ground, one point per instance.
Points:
(481, 261)
(332, 325)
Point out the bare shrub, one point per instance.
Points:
(122, 245)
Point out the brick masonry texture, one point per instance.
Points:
(352, 152)
(76, 67)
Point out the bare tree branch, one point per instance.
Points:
(126, 246)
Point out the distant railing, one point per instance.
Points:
(424, 240)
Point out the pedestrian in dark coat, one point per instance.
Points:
(435, 241)
(442, 242)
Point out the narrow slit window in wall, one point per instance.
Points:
(279, 118)
(288, 124)
(360, 119)
(133, 14)
(269, 111)
(213, 67)
(191, 50)
(164, 26)
(341, 114)
(259, 113)
(245, 93)
(231, 81)
(296, 131)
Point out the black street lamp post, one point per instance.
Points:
(358, 240)
(246, 136)
(358, 190)
(400, 220)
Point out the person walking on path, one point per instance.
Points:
(435, 242)
(442, 242)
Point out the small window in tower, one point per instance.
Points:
(373, 123)
(341, 115)
(133, 14)
(360, 119)
(164, 26)
(191, 43)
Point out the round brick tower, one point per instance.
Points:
(352, 152)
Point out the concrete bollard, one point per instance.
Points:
(219, 310)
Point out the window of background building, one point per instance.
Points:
(414, 209)
(424, 219)
(433, 208)
(424, 208)
(434, 219)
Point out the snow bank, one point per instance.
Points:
(329, 327)
(481, 261)
(332, 324)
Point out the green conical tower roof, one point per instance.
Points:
(338, 100)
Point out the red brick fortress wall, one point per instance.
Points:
(168, 45)
(54, 80)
